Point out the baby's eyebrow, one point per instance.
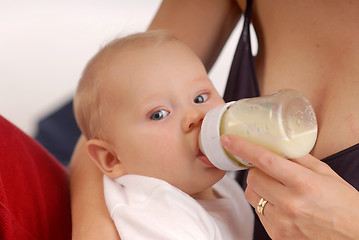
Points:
(146, 105)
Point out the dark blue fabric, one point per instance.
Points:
(58, 133)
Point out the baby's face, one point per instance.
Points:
(156, 99)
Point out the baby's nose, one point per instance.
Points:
(192, 119)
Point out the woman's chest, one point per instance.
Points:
(335, 99)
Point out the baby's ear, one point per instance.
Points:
(103, 155)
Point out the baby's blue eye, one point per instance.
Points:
(201, 98)
(159, 115)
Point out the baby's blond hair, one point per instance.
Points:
(88, 100)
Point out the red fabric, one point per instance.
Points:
(34, 189)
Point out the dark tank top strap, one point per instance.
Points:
(242, 83)
(346, 164)
(242, 79)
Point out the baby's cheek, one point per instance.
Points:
(169, 157)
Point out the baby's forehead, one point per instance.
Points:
(136, 57)
(124, 55)
(121, 63)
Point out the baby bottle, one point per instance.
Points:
(283, 122)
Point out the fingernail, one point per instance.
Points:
(225, 140)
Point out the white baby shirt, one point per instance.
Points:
(149, 208)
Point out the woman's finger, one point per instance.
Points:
(284, 170)
(314, 164)
(266, 216)
(265, 185)
(253, 198)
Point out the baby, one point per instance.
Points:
(140, 103)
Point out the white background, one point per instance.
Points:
(44, 45)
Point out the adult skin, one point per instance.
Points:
(310, 46)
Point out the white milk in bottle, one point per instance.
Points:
(283, 122)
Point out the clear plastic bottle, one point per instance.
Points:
(283, 122)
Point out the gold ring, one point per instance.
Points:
(261, 205)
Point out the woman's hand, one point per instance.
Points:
(306, 198)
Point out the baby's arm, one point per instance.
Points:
(90, 217)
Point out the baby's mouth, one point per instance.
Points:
(204, 159)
